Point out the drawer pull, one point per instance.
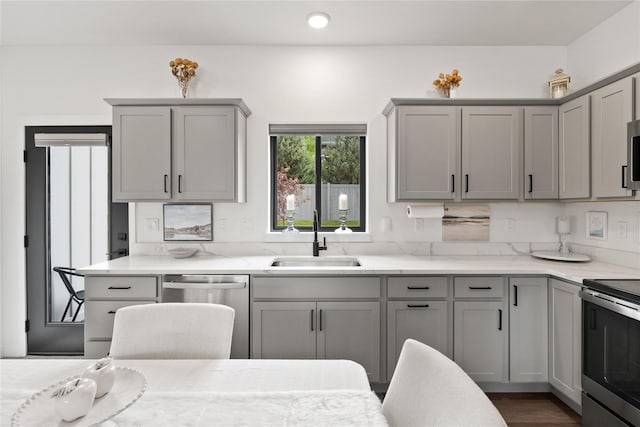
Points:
(418, 305)
(111, 312)
(119, 287)
(479, 288)
(413, 288)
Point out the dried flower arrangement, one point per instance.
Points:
(445, 82)
(184, 69)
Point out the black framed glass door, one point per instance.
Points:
(71, 223)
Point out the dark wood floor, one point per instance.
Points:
(534, 409)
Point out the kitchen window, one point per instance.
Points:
(319, 165)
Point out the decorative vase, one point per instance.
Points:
(74, 399)
(183, 87)
(453, 93)
(103, 372)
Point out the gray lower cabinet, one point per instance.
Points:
(423, 144)
(480, 328)
(528, 334)
(565, 339)
(422, 320)
(574, 149)
(332, 322)
(491, 141)
(178, 152)
(540, 153)
(104, 295)
(612, 109)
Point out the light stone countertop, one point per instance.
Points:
(370, 265)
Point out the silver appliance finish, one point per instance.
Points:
(633, 155)
(215, 289)
(598, 402)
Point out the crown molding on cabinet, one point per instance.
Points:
(233, 102)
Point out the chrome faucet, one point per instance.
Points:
(316, 245)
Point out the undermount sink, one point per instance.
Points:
(302, 261)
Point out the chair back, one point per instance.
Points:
(64, 273)
(172, 331)
(429, 389)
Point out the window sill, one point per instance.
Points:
(307, 236)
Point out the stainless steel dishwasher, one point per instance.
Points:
(215, 289)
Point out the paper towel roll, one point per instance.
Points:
(425, 211)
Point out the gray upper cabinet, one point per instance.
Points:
(141, 137)
(423, 152)
(540, 153)
(491, 140)
(612, 109)
(205, 153)
(179, 150)
(573, 154)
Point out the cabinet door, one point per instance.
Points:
(141, 162)
(427, 152)
(425, 321)
(541, 152)
(480, 339)
(573, 154)
(528, 356)
(351, 330)
(491, 140)
(565, 339)
(205, 153)
(283, 330)
(612, 109)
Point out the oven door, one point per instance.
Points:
(611, 353)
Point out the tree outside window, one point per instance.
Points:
(317, 169)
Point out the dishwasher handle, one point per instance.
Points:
(200, 285)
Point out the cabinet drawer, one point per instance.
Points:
(479, 287)
(306, 287)
(417, 287)
(96, 349)
(121, 287)
(99, 315)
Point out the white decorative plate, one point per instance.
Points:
(182, 252)
(558, 256)
(38, 410)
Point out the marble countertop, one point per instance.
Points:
(370, 265)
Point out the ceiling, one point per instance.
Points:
(266, 22)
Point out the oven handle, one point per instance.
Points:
(625, 308)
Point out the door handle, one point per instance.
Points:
(499, 319)
(312, 320)
(179, 183)
(466, 183)
(624, 167)
(530, 183)
(165, 183)
(453, 183)
(515, 296)
(111, 312)
(320, 321)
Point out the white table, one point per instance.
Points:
(227, 392)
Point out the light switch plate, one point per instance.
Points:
(622, 229)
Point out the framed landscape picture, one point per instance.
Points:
(597, 225)
(193, 222)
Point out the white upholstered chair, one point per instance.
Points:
(429, 389)
(172, 331)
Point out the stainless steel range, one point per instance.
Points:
(611, 352)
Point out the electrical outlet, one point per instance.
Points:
(622, 229)
(419, 224)
(152, 224)
(508, 225)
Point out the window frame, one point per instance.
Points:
(273, 146)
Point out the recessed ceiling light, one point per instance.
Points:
(318, 20)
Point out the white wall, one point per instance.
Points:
(608, 48)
